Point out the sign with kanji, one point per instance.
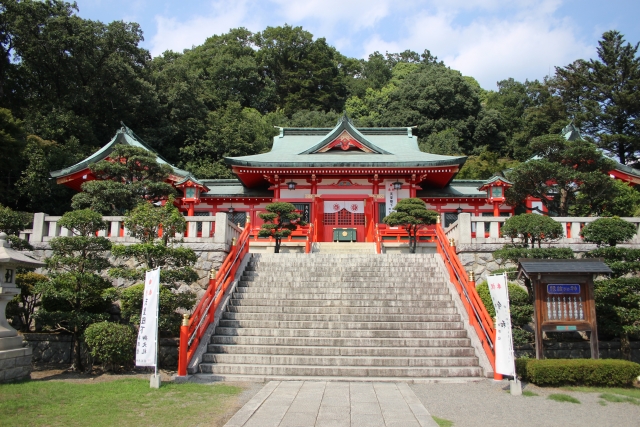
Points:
(503, 347)
(147, 345)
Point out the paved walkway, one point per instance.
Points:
(333, 404)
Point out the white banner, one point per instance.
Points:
(391, 196)
(337, 206)
(503, 347)
(147, 346)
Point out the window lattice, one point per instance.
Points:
(329, 219)
(344, 217)
(358, 219)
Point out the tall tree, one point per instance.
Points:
(77, 296)
(562, 170)
(305, 71)
(604, 95)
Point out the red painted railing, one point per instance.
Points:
(479, 317)
(203, 315)
(302, 233)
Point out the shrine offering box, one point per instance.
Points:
(563, 296)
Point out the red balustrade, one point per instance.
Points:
(203, 315)
(479, 317)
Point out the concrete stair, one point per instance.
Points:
(343, 248)
(352, 316)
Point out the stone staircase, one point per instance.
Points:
(355, 317)
(343, 248)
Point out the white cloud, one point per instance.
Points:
(174, 35)
(520, 45)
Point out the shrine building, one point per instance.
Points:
(341, 177)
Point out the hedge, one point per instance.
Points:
(112, 344)
(514, 253)
(587, 372)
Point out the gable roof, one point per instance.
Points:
(344, 126)
(302, 147)
(124, 135)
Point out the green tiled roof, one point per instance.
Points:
(122, 136)
(395, 147)
(457, 188)
(232, 188)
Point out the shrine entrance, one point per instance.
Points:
(344, 221)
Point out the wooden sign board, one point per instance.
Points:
(564, 297)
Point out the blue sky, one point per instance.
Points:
(490, 40)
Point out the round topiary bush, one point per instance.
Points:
(610, 231)
(112, 344)
(531, 228)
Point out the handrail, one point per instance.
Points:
(309, 245)
(203, 315)
(377, 240)
(479, 317)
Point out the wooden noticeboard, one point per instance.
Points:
(564, 298)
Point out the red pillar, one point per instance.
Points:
(182, 351)
(496, 209)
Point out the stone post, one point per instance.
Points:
(464, 229)
(220, 234)
(38, 227)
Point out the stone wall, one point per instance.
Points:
(579, 350)
(210, 256)
(479, 258)
(56, 348)
(15, 364)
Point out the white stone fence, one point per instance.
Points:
(473, 230)
(200, 229)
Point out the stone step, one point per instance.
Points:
(320, 351)
(339, 371)
(267, 359)
(339, 303)
(346, 283)
(277, 324)
(340, 333)
(342, 269)
(209, 378)
(338, 274)
(339, 310)
(339, 296)
(342, 342)
(340, 317)
(371, 292)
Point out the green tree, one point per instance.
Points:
(562, 170)
(305, 72)
(618, 310)
(484, 166)
(531, 228)
(12, 223)
(622, 200)
(171, 303)
(231, 131)
(411, 214)
(75, 77)
(25, 305)
(76, 295)
(12, 141)
(602, 94)
(610, 231)
(280, 220)
(145, 222)
(130, 175)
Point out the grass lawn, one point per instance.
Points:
(127, 402)
(560, 397)
(615, 395)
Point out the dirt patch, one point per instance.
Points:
(58, 372)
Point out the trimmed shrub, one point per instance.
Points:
(621, 260)
(587, 372)
(112, 344)
(609, 231)
(513, 254)
(170, 321)
(531, 228)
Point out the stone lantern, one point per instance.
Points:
(15, 360)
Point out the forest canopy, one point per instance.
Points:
(66, 84)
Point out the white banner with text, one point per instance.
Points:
(147, 346)
(503, 347)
